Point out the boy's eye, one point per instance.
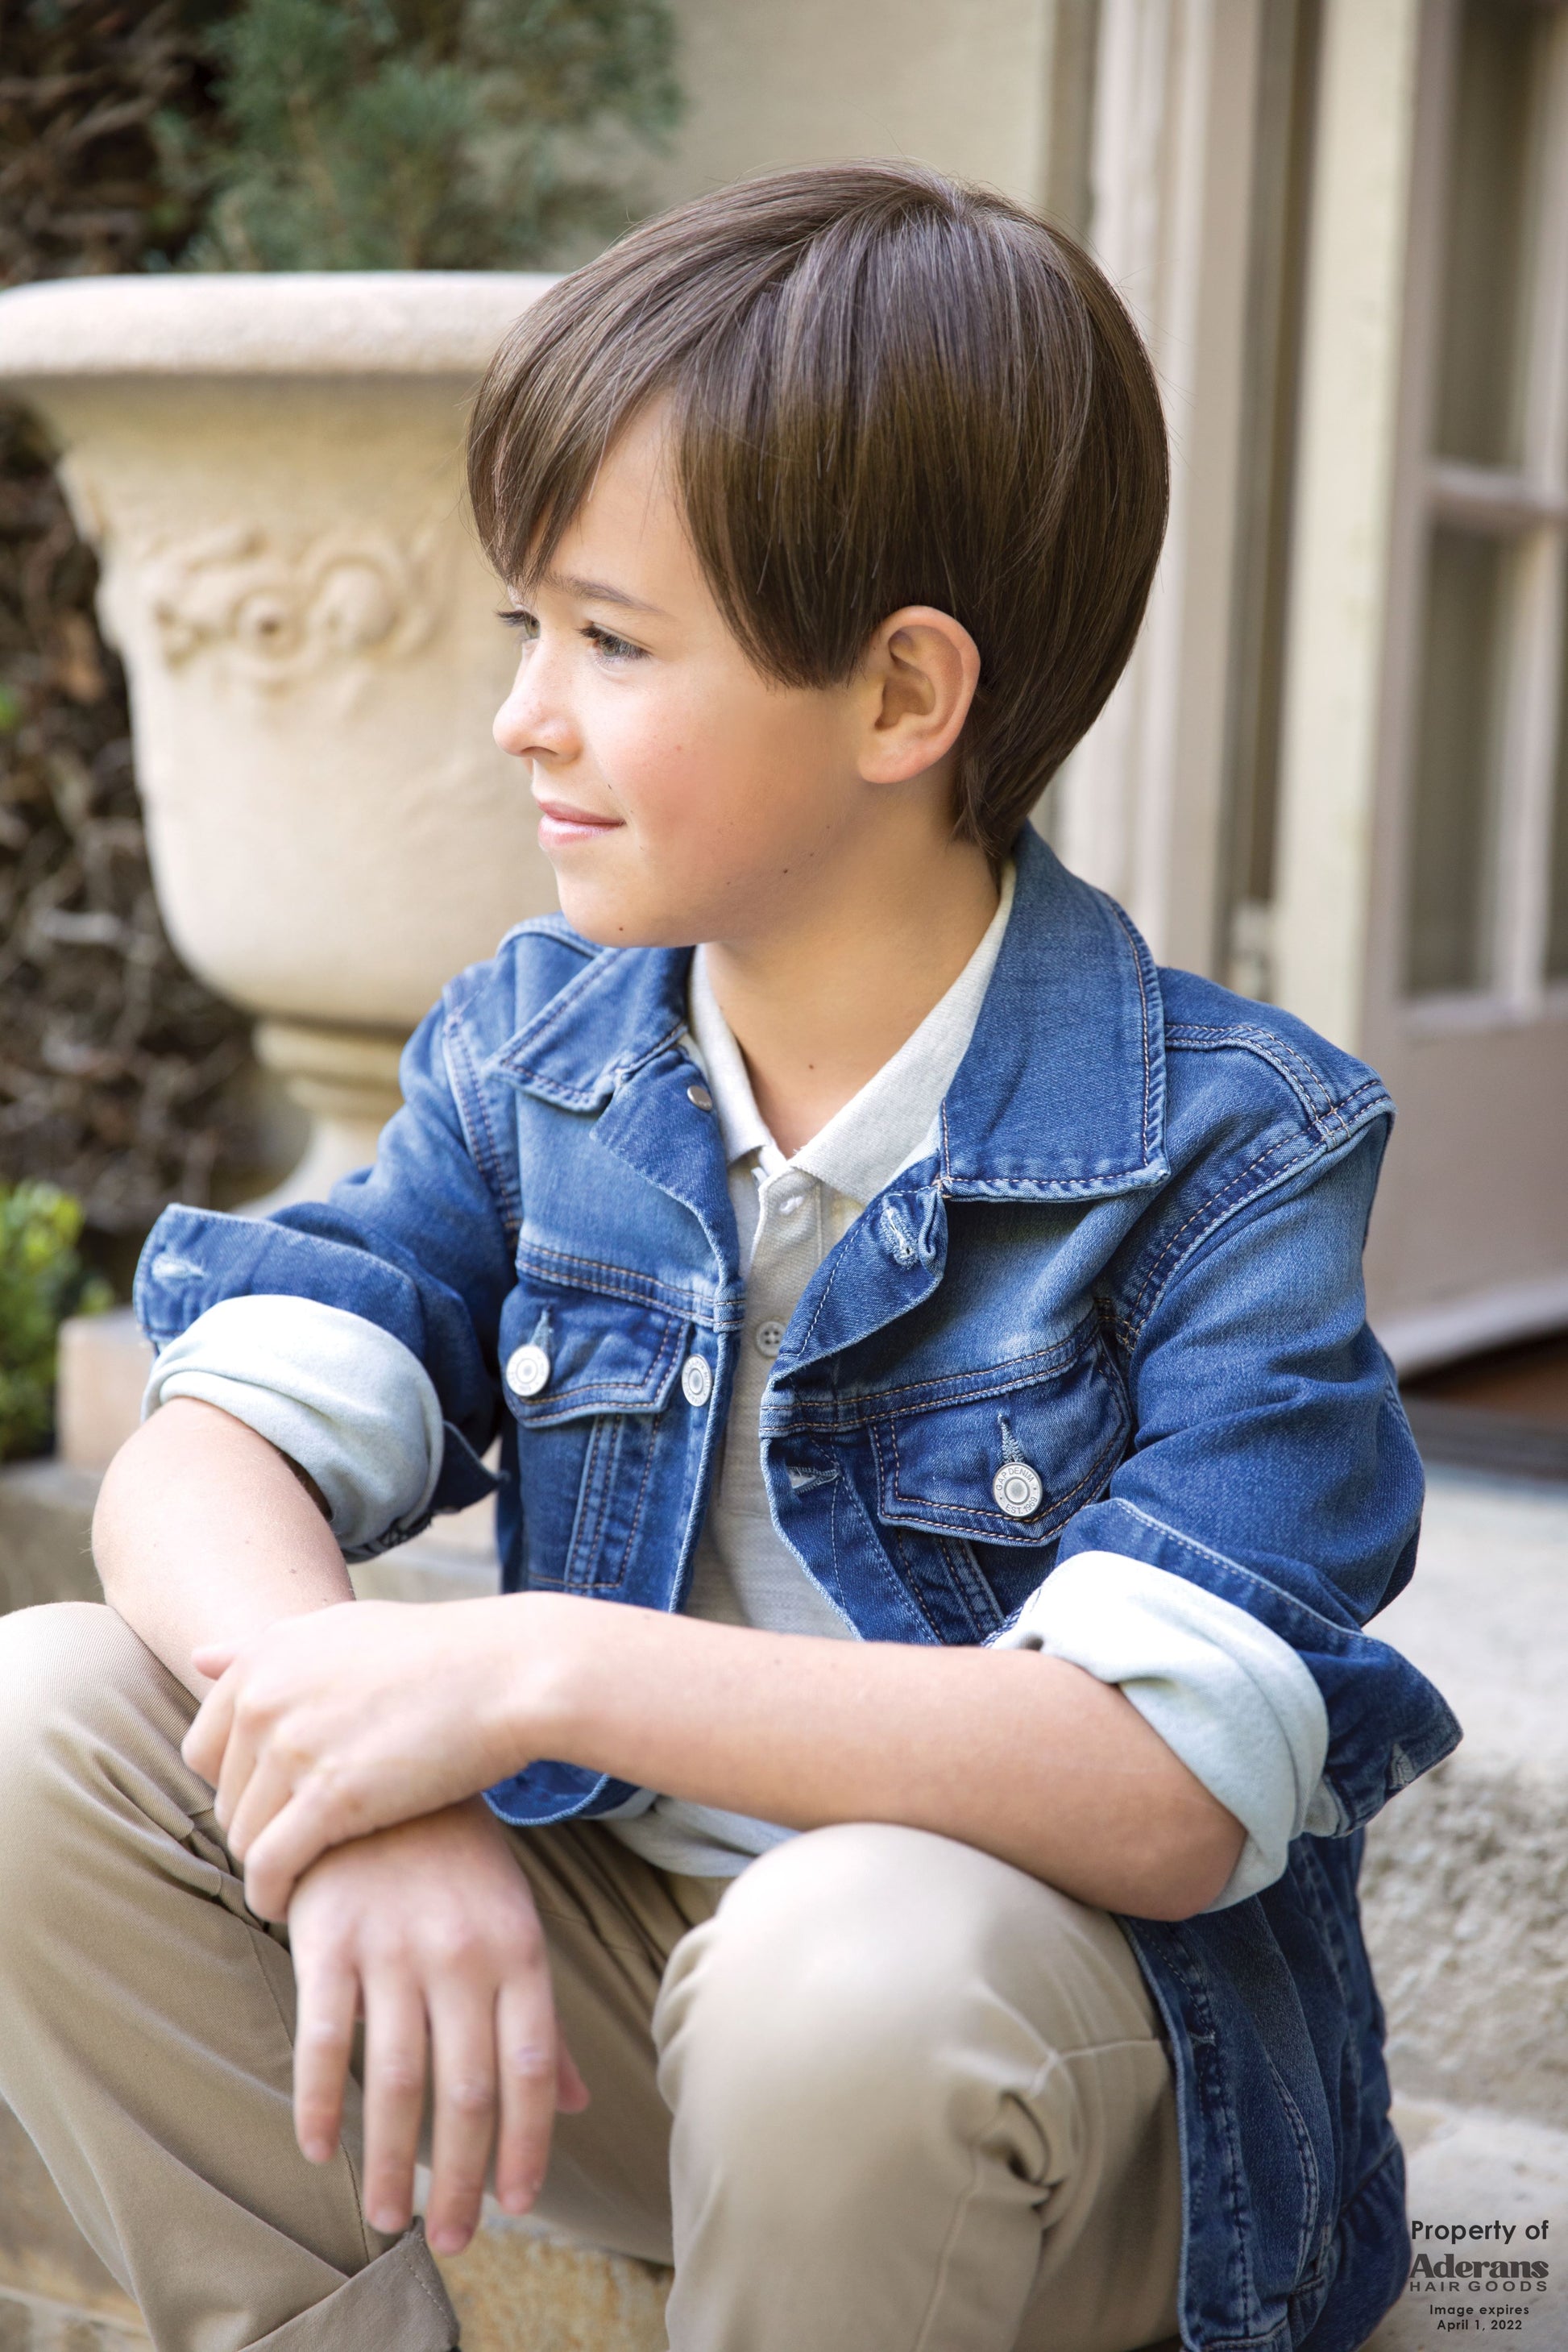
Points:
(606, 642)
(525, 624)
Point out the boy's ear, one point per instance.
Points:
(918, 675)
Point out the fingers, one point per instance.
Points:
(463, 2030)
(572, 2094)
(283, 1825)
(204, 1744)
(394, 2059)
(530, 2050)
(279, 1832)
(323, 2042)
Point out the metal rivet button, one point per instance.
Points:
(769, 1337)
(696, 1381)
(527, 1371)
(701, 1097)
(1018, 1489)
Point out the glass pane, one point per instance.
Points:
(1456, 760)
(1557, 926)
(1497, 67)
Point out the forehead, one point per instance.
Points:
(630, 513)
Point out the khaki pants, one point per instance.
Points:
(887, 2094)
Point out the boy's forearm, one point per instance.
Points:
(1026, 1756)
(204, 1533)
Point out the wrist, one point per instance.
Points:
(546, 1687)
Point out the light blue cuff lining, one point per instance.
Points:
(1229, 1697)
(351, 1404)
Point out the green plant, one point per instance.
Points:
(42, 1280)
(421, 135)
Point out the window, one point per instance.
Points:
(1486, 862)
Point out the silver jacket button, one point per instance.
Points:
(527, 1371)
(1018, 1489)
(696, 1381)
(701, 1097)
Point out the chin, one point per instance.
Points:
(611, 921)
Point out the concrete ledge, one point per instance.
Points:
(45, 1535)
(1466, 1884)
(1472, 2167)
(1464, 1897)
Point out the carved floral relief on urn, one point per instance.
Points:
(270, 469)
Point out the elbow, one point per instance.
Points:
(1186, 1869)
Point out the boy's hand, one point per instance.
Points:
(325, 1726)
(428, 1931)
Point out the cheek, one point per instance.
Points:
(684, 760)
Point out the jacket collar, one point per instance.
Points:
(1060, 1096)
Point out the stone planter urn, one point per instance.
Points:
(271, 470)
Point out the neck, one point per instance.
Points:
(819, 1004)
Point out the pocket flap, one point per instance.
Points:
(939, 1460)
(566, 1351)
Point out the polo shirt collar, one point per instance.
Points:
(892, 1120)
(1060, 1096)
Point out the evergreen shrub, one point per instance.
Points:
(420, 135)
(42, 1280)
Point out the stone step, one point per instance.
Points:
(1478, 2171)
(520, 2288)
(1465, 1882)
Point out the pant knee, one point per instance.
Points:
(85, 1711)
(842, 1980)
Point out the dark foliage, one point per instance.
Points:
(117, 1068)
(422, 134)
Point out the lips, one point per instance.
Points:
(560, 824)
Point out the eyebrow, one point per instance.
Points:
(597, 592)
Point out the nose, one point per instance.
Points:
(533, 722)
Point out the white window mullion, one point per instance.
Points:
(1521, 874)
(1523, 878)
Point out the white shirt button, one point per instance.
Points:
(527, 1371)
(696, 1381)
(1019, 1489)
(768, 1337)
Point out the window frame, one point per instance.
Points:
(1526, 508)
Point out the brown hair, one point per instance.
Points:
(887, 388)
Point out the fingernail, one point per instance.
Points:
(317, 2151)
(451, 2240)
(387, 2219)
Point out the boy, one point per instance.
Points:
(940, 1332)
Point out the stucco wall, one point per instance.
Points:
(962, 84)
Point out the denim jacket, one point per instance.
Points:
(1135, 1254)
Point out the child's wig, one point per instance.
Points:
(884, 388)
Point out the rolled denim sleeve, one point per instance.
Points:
(1228, 1695)
(416, 1245)
(1273, 1464)
(344, 1399)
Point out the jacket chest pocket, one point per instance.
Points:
(1001, 1460)
(586, 1378)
